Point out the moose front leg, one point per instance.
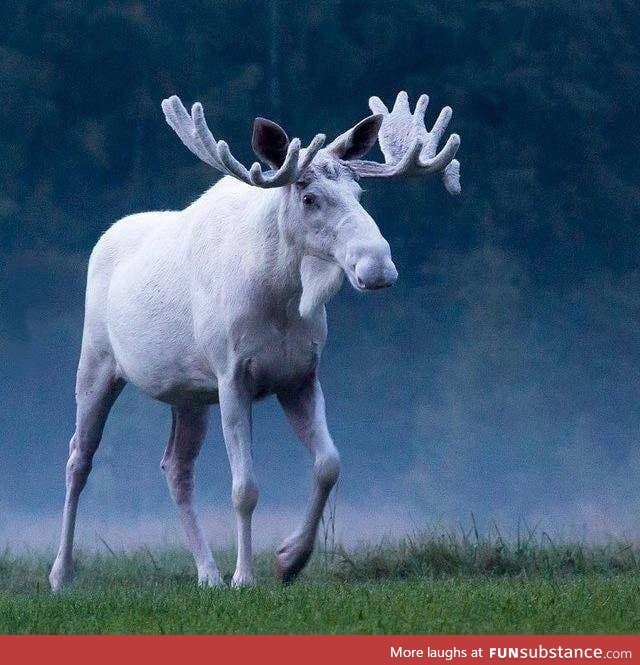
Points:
(306, 412)
(235, 411)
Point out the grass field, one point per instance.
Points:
(429, 585)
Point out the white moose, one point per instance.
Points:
(223, 302)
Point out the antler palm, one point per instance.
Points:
(402, 131)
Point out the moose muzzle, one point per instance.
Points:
(367, 258)
(375, 272)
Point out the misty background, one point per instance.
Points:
(499, 377)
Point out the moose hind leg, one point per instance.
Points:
(306, 411)
(187, 435)
(96, 390)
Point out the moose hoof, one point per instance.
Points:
(291, 558)
(61, 576)
(241, 579)
(210, 579)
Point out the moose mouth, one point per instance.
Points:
(360, 285)
(355, 281)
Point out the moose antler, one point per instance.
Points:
(195, 134)
(408, 148)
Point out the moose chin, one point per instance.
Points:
(224, 302)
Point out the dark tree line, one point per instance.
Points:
(544, 95)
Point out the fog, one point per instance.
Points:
(464, 390)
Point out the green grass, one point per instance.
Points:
(430, 585)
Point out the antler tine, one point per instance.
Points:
(286, 174)
(232, 165)
(442, 159)
(451, 177)
(180, 121)
(441, 124)
(312, 150)
(204, 136)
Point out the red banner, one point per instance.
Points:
(327, 649)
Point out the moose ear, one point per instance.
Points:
(269, 142)
(357, 142)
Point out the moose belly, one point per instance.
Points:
(173, 375)
(181, 372)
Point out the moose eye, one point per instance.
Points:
(308, 199)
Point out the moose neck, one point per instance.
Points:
(280, 242)
(269, 243)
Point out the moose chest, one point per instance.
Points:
(273, 355)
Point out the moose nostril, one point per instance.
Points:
(375, 274)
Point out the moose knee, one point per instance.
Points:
(245, 495)
(78, 467)
(327, 468)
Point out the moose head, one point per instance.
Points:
(323, 215)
